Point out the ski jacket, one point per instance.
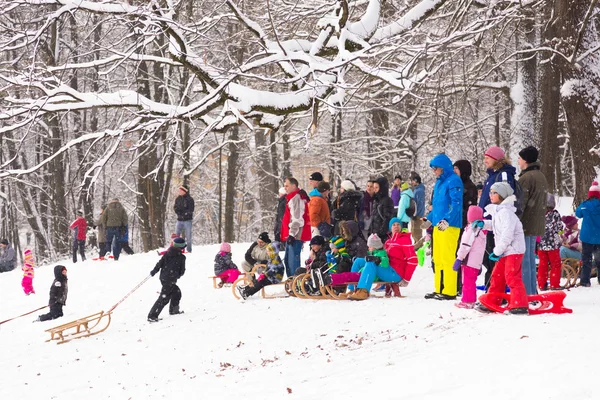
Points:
(401, 253)
(472, 247)
(419, 195)
(551, 238)
(507, 228)
(534, 186)
(171, 265)
(447, 194)
(383, 210)
(296, 221)
(506, 173)
(346, 206)
(256, 254)
(318, 259)
(405, 197)
(114, 215)
(223, 263)
(28, 264)
(184, 207)
(275, 268)
(59, 288)
(318, 210)
(80, 228)
(395, 196)
(589, 210)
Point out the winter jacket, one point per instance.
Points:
(28, 264)
(59, 288)
(447, 194)
(469, 198)
(383, 210)
(345, 206)
(275, 268)
(223, 263)
(571, 238)
(404, 204)
(534, 186)
(395, 196)
(171, 265)
(101, 230)
(114, 215)
(365, 211)
(401, 253)
(80, 228)
(280, 211)
(184, 207)
(8, 256)
(383, 256)
(506, 173)
(256, 254)
(419, 195)
(471, 249)
(551, 238)
(589, 210)
(507, 228)
(296, 221)
(356, 245)
(318, 210)
(319, 259)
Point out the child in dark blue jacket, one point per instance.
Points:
(58, 294)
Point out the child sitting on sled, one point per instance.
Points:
(58, 294)
(28, 272)
(225, 269)
(509, 248)
(273, 274)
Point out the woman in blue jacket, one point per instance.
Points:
(589, 210)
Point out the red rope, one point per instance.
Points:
(129, 294)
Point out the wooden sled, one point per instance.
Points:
(549, 302)
(82, 327)
(246, 280)
(334, 292)
(570, 271)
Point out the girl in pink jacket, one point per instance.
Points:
(470, 256)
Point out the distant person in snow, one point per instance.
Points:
(225, 269)
(8, 256)
(171, 267)
(103, 247)
(28, 272)
(58, 294)
(114, 218)
(79, 227)
(184, 208)
(589, 210)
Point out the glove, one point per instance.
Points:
(377, 260)
(152, 273)
(370, 258)
(477, 224)
(443, 225)
(457, 265)
(494, 257)
(290, 240)
(403, 283)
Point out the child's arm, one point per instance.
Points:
(466, 241)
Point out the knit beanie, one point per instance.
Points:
(80, 213)
(464, 167)
(529, 154)
(594, 190)
(179, 242)
(503, 189)
(317, 240)
(225, 248)
(550, 201)
(264, 236)
(374, 241)
(347, 185)
(404, 186)
(338, 242)
(569, 220)
(495, 152)
(392, 221)
(474, 213)
(4, 241)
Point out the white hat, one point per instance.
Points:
(347, 185)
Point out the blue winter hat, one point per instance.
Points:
(179, 242)
(392, 221)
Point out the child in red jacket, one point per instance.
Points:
(79, 227)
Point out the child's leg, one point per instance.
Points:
(232, 275)
(498, 280)
(74, 250)
(55, 312)
(175, 298)
(251, 290)
(586, 258)
(542, 272)
(367, 276)
(81, 244)
(357, 265)
(514, 279)
(469, 291)
(163, 299)
(27, 284)
(344, 277)
(555, 268)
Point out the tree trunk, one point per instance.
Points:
(230, 194)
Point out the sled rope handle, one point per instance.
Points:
(129, 294)
(22, 315)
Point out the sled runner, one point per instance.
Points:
(570, 271)
(549, 302)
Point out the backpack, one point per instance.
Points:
(411, 210)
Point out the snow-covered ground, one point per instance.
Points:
(223, 348)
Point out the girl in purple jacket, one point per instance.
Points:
(470, 256)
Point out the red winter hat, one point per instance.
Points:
(474, 213)
(594, 190)
(495, 152)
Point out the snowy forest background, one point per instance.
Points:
(129, 99)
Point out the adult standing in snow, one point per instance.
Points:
(446, 219)
(498, 169)
(396, 191)
(535, 188)
(184, 208)
(383, 209)
(280, 211)
(346, 205)
(365, 209)
(114, 218)
(79, 227)
(295, 225)
(171, 267)
(318, 208)
(8, 256)
(102, 245)
(419, 193)
(589, 210)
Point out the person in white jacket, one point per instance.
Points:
(509, 247)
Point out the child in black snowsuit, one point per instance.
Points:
(58, 294)
(172, 267)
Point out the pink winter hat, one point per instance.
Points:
(495, 152)
(474, 214)
(594, 190)
(225, 247)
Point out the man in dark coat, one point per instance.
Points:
(114, 218)
(171, 267)
(58, 294)
(184, 208)
(383, 209)
(281, 203)
(464, 169)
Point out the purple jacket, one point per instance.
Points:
(395, 196)
(472, 247)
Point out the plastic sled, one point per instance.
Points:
(547, 303)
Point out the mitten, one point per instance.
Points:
(152, 273)
(494, 257)
(377, 260)
(443, 225)
(290, 240)
(457, 265)
(477, 224)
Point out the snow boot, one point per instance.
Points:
(518, 311)
(441, 296)
(431, 295)
(242, 291)
(153, 319)
(360, 294)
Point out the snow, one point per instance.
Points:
(225, 348)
